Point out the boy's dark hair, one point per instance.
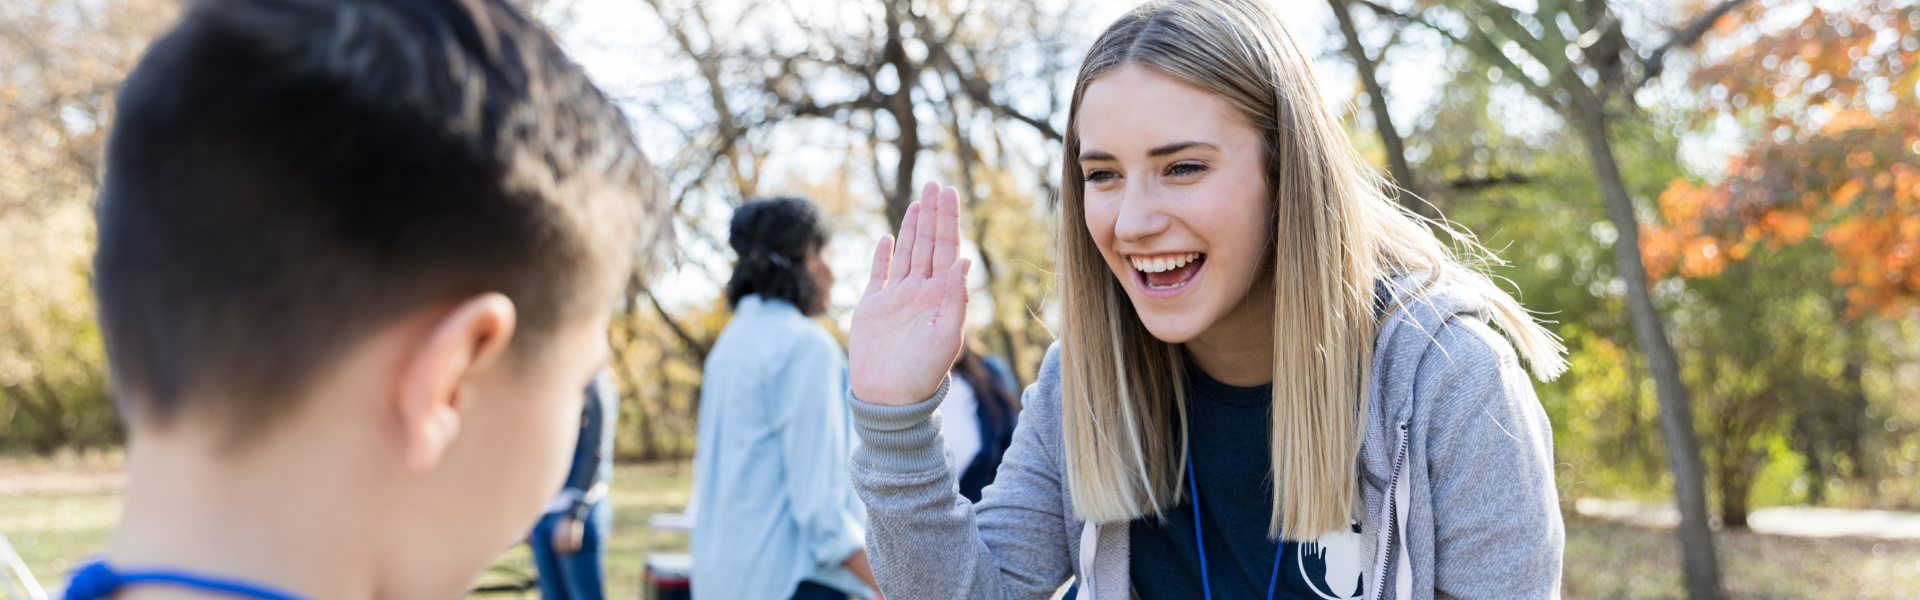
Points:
(773, 237)
(284, 176)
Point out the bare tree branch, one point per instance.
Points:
(1683, 37)
(694, 345)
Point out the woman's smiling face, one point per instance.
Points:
(1177, 200)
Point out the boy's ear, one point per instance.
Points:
(468, 338)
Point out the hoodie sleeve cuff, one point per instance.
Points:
(899, 439)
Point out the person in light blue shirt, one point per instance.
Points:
(776, 513)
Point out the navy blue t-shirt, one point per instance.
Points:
(1230, 428)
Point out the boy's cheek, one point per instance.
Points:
(544, 432)
(551, 398)
(526, 427)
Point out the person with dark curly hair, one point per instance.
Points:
(776, 512)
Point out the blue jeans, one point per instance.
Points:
(577, 576)
(808, 590)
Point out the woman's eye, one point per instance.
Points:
(1185, 169)
(1101, 176)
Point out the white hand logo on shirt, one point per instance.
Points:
(1339, 553)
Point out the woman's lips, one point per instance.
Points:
(1161, 276)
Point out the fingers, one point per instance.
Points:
(953, 304)
(882, 253)
(929, 191)
(929, 236)
(946, 233)
(924, 236)
(903, 247)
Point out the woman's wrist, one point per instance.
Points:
(899, 438)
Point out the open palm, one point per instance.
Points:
(906, 329)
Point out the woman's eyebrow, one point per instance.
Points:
(1095, 155)
(1178, 146)
(1155, 153)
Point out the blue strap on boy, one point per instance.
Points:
(97, 581)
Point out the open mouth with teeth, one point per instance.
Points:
(1167, 271)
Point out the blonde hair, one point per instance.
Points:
(1336, 233)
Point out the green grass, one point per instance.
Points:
(57, 512)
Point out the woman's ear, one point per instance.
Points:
(470, 337)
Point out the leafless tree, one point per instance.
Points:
(967, 92)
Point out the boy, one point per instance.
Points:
(356, 260)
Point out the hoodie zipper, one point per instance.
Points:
(1392, 519)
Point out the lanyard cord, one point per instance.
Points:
(97, 581)
(1206, 587)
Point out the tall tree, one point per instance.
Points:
(1574, 56)
(1390, 139)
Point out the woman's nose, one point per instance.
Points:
(1141, 215)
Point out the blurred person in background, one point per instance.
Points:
(978, 416)
(778, 517)
(570, 542)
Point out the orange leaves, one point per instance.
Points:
(1879, 250)
(1828, 70)
(1849, 191)
(1849, 119)
(1870, 221)
(1785, 228)
(1702, 258)
(1661, 246)
(1681, 202)
(1835, 159)
(1680, 245)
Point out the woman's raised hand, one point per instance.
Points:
(906, 329)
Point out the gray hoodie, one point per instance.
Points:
(1456, 480)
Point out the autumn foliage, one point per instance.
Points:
(1835, 158)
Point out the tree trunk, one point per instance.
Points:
(1733, 504)
(1736, 483)
(899, 104)
(1736, 423)
(1700, 564)
(1849, 422)
(1382, 120)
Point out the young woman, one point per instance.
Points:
(777, 516)
(1272, 382)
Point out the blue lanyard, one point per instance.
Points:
(97, 581)
(1198, 542)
